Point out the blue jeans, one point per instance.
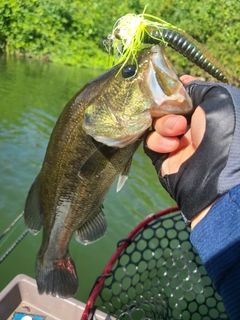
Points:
(217, 239)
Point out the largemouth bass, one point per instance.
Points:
(91, 145)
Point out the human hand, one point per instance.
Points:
(164, 138)
(197, 164)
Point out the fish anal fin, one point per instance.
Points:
(58, 278)
(124, 175)
(92, 230)
(32, 212)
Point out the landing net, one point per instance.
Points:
(155, 273)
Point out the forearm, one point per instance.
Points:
(217, 240)
(201, 215)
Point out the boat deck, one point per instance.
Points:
(20, 301)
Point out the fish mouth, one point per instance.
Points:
(165, 89)
(153, 92)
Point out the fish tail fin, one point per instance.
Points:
(32, 212)
(57, 278)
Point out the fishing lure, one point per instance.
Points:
(192, 50)
(131, 33)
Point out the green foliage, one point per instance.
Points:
(215, 24)
(72, 31)
(60, 30)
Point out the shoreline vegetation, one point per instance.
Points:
(72, 32)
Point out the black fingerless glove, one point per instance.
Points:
(214, 168)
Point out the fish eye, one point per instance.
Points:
(128, 71)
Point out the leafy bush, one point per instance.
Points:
(71, 31)
(215, 24)
(61, 30)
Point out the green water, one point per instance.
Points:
(32, 95)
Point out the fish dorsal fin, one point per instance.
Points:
(32, 212)
(92, 230)
(97, 161)
(124, 175)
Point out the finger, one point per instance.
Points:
(170, 125)
(198, 126)
(185, 140)
(181, 154)
(187, 144)
(186, 79)
(193, 137)
(161, 144)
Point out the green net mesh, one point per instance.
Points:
(160, 276)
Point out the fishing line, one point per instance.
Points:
(11, 225)
(13, 246)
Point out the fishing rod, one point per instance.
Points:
(13, 246)
(11, 225)
(19, 239)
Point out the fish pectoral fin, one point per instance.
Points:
(92, 230)
(32, 212)
(124, 175)
(97, 162)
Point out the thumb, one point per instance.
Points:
(185, 79)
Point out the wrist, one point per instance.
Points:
(199, 217)
(202, 214)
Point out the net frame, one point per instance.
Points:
(149, 222)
